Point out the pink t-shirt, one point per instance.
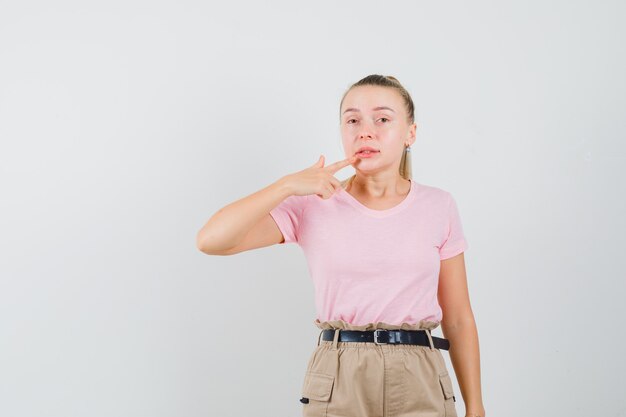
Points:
(371, 266)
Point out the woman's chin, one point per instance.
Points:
(367, 168)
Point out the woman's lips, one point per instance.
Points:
(367, 154)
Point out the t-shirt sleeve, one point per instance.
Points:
(455, 241)
(288, 217)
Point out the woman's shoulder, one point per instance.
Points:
(432, 191)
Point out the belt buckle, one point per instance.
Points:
(376, 336)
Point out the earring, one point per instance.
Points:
(408, 148)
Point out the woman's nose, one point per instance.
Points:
(365, 134)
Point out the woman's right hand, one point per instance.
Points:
(318, 179)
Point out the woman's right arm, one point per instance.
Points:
(244, 224)
(247, 224)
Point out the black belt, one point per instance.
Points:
(384, 336)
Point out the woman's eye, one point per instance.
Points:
(382, 118)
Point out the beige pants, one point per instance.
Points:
(365, 379)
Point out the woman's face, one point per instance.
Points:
(365, 123)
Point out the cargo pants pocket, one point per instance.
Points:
(448, 394)
(316, 392)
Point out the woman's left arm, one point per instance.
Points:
(459, 327)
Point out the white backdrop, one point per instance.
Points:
(125, 125)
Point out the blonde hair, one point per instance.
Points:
(391, 82)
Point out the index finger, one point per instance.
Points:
(332, 168)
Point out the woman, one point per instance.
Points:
(386, 255)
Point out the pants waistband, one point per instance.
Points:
(384, 336)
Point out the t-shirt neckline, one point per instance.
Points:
(346, 196)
